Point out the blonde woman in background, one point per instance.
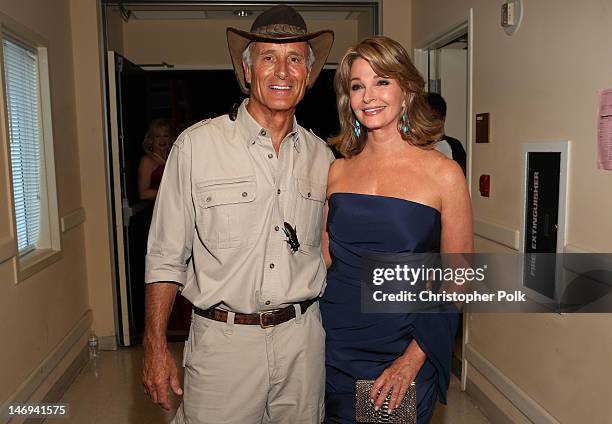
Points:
(157, 143)
(392, 193)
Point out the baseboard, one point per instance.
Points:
(512, 392)
(107, 343)
(68, 377)
(59, 388)
(491, 402)
(53, 373)
(508, 237)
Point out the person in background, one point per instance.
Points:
(451, 147)
(157, 143)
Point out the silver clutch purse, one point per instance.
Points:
(405, 413)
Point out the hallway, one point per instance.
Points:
(116, 395)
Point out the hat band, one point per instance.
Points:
(279, 29)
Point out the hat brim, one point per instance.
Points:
(320, 42)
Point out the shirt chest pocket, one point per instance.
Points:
(226, 209)
(309, 211)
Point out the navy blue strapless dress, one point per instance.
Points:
(361, 345)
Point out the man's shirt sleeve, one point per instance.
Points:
(172, 227)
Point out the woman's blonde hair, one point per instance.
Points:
(155, 125)
(389, 60)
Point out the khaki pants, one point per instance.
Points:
(244, 374)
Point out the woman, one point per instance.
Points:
(156, 145)
(392, 193)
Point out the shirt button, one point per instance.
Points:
(276, 228)
(268, 302)
(208, 199)
(262, 133)
(271, 266)
(308, 194)
(270, 155)
(244, 194)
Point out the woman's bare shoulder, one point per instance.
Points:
(442, 168)
(337, 167)
(147, 162)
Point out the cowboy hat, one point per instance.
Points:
(279, 24)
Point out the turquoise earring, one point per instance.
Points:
(404, 123)
(357, 128)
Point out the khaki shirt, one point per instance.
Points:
(217, 226)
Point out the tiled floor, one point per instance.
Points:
(111, 392)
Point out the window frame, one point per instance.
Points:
(48, 249)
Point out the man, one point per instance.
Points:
(449, 146)
(237, 227)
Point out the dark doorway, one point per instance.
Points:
(186, 97)
(183, 98)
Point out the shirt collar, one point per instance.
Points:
(251, 129)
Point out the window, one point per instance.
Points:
(28, 123)
(22, 98)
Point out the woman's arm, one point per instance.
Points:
(456, 210)
(325, 239)
(332, 180)
(456, 237)
(397, 378)
(146, 168)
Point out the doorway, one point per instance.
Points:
(446, 63)
(162, 64)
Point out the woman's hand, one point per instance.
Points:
(397, 378)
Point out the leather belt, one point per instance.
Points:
(264, 319)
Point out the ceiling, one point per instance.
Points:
(143, 12)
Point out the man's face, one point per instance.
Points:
(278, 76)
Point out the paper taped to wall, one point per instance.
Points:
(604, 130)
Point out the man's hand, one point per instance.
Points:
(159, 371)
(397, 378)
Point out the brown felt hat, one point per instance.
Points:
(279, 24)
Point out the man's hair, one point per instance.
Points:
(437, 104)
(248, 59)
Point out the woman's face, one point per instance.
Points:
(376, 101)
(161, 139)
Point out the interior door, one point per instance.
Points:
(128, 122)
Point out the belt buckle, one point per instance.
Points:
(264, 313)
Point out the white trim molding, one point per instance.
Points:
(68, 344)
(73, 219)
(519, 398)
(570, 248)
(509, 237)
(8, 249)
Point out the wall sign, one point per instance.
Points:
(545, 168)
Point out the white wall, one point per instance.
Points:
(45, 317)
(453, 73)
(540, 84)
(203, 43)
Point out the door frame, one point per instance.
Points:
(123, 334)
(121, 297)
(421, 61)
